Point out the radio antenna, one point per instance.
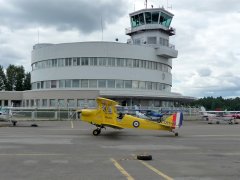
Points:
(145, 4)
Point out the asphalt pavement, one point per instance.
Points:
(60, 150)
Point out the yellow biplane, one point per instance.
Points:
(107, 115)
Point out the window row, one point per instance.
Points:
(100, 83)
(99, 61)
(61, 103)
(154, 40)
(151, 18)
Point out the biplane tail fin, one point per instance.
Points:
(174, 121)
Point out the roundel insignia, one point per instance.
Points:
(136, 124)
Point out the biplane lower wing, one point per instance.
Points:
(112, 126)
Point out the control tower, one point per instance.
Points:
(151, 27)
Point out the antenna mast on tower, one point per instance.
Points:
(145, 4)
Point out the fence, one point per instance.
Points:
(70, 114)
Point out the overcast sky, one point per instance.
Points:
(207, 38)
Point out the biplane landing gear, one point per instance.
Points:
(14, 123)
(97, 131)
(175, 133)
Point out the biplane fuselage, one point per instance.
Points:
(106, 115)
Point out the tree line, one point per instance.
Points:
(218, 103)
(14, 78)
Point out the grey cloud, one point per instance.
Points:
(83, 15)
(204, 72)
(219, 6)
(10, 56)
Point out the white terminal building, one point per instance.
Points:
(134, 73)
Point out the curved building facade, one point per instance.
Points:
(136, 72)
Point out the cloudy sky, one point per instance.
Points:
(207, 38)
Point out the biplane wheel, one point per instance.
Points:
(144, 157)
(176, 134)
(34, 125)
(14, 123)
(96, 132)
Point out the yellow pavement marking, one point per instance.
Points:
(72, 124)
(122, 170)
(156, 171)
(31, 154)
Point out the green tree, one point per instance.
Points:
(20, 75)
(27, 81)
(11, 78)
(2, 79)
(15, 78)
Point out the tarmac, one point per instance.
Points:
(60, 150)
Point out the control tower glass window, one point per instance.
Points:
(165, 20)
(151, 17)
(141, 19)
(155, 16)
(148, 17)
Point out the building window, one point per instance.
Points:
(155, 16)
(135, 84)
(54, 62)
(61, 83)
(60, 62)
(38, 85)
(53, 84)
(84, 83)
(142, 85)
(68, 61)
(74, 61)
(102, 83)
(119, 84)
(111, 83)
(128, 62)
(75, 83)
(61, 103)
(149, 85)
(37, 102)
(71, 103)
(91, 103)
(68, 83)
(93, 61)
(137, 41)
(135, 63)
(111, 61)
(81, 103)
(84, 61)
(44, 102)
(154, 86)
(52, 103)
(120, 62)
(151, 40)
(92, 83)
(32, 103)
(48, 83)
(128, 84)
(102, 61)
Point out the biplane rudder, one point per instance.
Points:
(174, 121)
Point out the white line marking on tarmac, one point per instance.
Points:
(156, 171)
(32, 154)
(122, 170)
(220, 135)
(72, 124)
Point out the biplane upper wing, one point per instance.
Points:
(107, 102)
